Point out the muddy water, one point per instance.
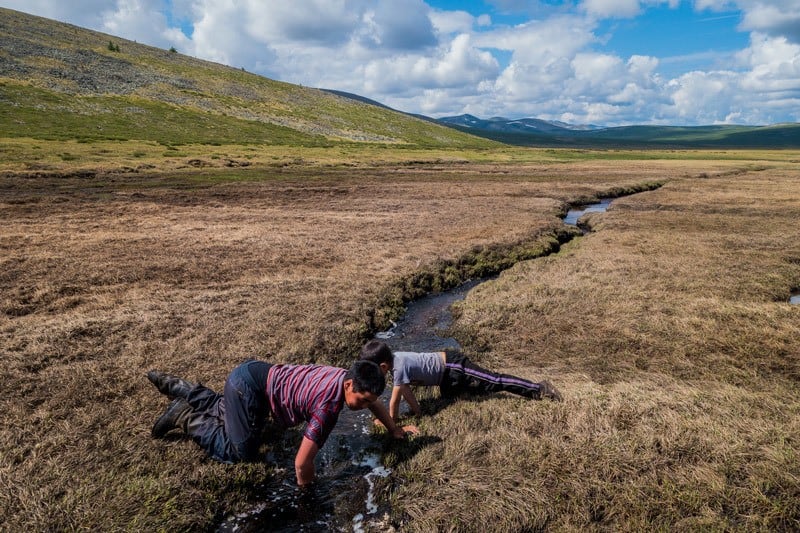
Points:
(349, 463)
(347, 466)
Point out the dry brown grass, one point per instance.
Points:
(669, 331)
(661, 343)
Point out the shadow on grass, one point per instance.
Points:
(432, 403)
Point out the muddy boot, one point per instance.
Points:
(175, 417)
(172, 386)
(549, 392)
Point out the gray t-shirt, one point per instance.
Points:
(414, 368)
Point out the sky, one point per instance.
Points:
(601, 62)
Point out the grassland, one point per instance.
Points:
(670, 330)
(667, 328)
(164, 212)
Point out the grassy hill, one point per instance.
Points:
(61, 82)
(650, 137)
(775, 136)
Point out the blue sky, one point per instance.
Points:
(604, 62)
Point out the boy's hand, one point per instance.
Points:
(403, 432)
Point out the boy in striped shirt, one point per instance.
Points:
(451, 371)
(228, 426)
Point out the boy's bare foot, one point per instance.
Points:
(547, 390)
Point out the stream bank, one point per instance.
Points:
(349, 463)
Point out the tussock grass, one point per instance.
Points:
(677, 359)
(641, 455)
(668, 330)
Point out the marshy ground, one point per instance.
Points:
(667, 328)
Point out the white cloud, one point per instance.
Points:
(417, 58)
(703, 97)
(139, 20)
(597, 70)
(459, 65)
(642, 66)
(537, 41)
(400, 25)
(327, 22)
(450, 22)
(222, 34)
(611, 8)
(775, 18)
(86, 13)
(541, 56)
(774, 65)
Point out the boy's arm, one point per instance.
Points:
(304, 462)
(406, 392)
(381, 414)
(394, 402)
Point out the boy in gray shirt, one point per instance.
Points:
(451, 370)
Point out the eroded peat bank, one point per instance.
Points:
(668, 330)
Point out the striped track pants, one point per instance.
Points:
(463, 376)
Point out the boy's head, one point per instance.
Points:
(379, 353)
(363, 383)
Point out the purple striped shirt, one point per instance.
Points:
(306, 393)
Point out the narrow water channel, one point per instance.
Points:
(349, 462)
(574, 214)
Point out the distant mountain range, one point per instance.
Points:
(507, 125)
(537, 132)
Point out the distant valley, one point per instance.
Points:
(536, 132)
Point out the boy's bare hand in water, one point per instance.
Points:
(405, 431)
(410, 430)
(399, 432)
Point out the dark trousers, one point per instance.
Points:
(462, 375)
(228, 426)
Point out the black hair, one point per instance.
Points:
(367, 377)
(376, 351)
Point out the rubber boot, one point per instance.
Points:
(172, 386)
(175, 417)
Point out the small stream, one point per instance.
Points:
(349, 462)
(574, 214)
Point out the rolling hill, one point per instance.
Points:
(536, 132)
(59, 81)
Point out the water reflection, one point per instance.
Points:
(574, 214)
(425, 325)
(347, 465)
(795, 298)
